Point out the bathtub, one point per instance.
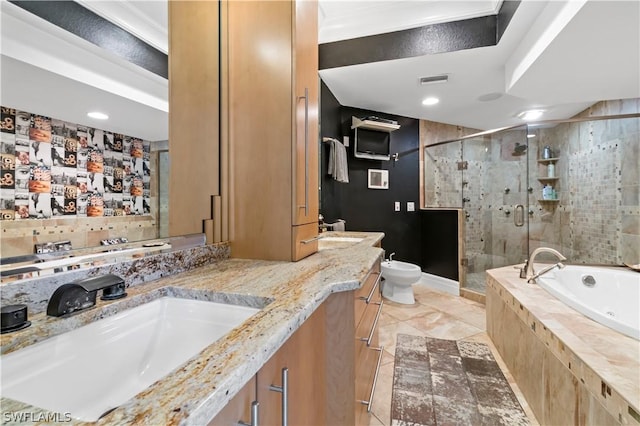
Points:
(610, 296)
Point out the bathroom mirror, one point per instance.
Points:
(43, 264)
(46, 70)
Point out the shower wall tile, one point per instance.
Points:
(630, 195)
(630, 224)
(630, 249)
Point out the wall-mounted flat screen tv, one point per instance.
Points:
(371, 144)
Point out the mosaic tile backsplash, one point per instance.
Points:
(52, 168)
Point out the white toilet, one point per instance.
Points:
(399, 277)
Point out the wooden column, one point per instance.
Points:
(194, 142)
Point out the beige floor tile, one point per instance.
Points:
(404, 312)
(374, 421)
(387, 358)
(470, 314)
(442, 326)
(388, 333)
(381, 407)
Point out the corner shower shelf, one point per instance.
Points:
(547, 179)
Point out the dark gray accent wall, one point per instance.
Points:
(426, 40)
(80, 21)
(439, 243)
(373, 209)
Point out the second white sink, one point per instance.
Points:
(342, 239)
(93, 369)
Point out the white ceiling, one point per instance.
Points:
(557, 55)
(49, 71)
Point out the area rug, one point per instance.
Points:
(448, 382)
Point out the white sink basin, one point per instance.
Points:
(342, 239)
(95, 368)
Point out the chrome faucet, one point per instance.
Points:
(531, 274)
(391, 256)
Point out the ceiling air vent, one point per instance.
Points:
(434, 79)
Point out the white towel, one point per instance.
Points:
(338, 167)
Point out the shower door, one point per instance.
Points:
(495, 192)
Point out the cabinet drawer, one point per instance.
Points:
(368, 318)
(369, 291)
(366, 369)
(369, 282)
(303, 233)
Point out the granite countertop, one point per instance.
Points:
(195, 392)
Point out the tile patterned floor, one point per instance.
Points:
(437, 315)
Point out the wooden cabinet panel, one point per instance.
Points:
(302, 236)
(303, 355)
(271, 58)
(193, 114)
(306, 112)
(239, 408)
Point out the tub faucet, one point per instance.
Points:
(531, 274)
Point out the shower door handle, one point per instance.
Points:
(518, 217)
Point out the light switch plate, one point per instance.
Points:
(397, 206)
(411, 206)
(345, 140)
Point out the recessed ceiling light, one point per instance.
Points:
(98, 115)
(532, 114)
(531, 135)
(430, 101)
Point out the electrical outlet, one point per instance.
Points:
(397, 206)
(411, 206)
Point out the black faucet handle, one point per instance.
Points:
(79, 295)
(100, 283)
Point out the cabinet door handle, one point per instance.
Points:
(375, 323)
(373, 290)
(310, 240)
(518, 217)
(369, 403)
(306, 150)
(284, 390)
(254, 415)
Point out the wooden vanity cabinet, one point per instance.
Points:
(332, 361)
(270, 110)
(239, 408)
(319, 360)
(367, 310)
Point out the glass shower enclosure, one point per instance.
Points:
(486, 177)
(572, 185)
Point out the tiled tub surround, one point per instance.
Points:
(571, 369)
(36, 292)
(199, 389)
